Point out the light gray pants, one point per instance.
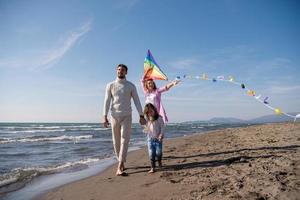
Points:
(121, 131)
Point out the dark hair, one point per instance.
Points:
(145, 83)
(124, 66)
(146, 110)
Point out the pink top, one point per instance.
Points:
(154, 98)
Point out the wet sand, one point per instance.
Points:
(255, 162)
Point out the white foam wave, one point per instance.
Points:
(101, 129)
(7, 179)
(45, 139)
(20, 174)
(83, 126)
(42, 127)
(36, 131)
(49, 127)
(31, 127)
(63, 166)
(195, 127)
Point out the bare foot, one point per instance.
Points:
(121, 173)
(151, 171)
(122, 168)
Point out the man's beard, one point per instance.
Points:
(121, 76)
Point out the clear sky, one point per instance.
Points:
(57, 56)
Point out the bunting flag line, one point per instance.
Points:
(152, 70)
(248, 91)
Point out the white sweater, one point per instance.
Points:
(120, 93)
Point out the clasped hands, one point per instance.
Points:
(106, 122)
(142, 120)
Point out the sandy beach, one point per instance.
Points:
(255, 162)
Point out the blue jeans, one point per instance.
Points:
(154, 150)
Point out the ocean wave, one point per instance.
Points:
(99, 139)
(18, 130)
(47, 127)
(82, 126)
(33, 131)
(212, 124)
(45, 139)
(30, 127)
(87, 129)
(100, 129)
(27, 174)
(196, 127)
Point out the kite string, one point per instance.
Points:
(250, 92)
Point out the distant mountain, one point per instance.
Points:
(263, 119)
(273, 118)
(258, 120)
(226, 120)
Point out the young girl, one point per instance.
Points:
(155, 134)
(153, 95)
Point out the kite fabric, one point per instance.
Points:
(152, 70)
(249, 92)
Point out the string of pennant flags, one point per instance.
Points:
(153, 71)
(248, 91)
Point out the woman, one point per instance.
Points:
(153, 95)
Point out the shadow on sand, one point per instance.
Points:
(290, 147)
(213, 163)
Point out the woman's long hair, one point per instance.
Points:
(149, 106)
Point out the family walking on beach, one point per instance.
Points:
(118, 97)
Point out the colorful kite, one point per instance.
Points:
(152, 70)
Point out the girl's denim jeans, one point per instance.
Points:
(154, 150)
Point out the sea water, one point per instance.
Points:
(71, 151)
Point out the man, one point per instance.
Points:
(120, 92)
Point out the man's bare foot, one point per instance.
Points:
(121, 173)
(121, 166)
(152, 170)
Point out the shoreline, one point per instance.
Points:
(108, 166)
(45, 183)
(257, 161)
(68, 175)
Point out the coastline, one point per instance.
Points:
(43, 184)
(35, 181)
(258, 161)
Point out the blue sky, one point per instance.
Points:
(57, 56)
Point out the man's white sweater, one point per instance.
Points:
(120, 92)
